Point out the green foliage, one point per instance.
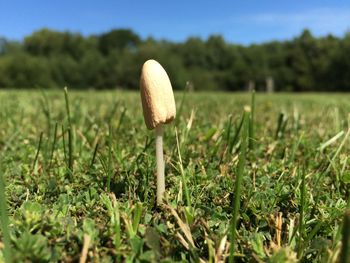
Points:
(113, 59)
(22, 70)
(118, 39)
(32, 248)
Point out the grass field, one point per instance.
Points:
(81, 186)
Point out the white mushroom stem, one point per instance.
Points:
(160, 164)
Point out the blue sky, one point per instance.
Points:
(245, 21)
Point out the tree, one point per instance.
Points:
(339, 66)
(118, 39)
(50, 43)
(114, 59)
(3, 43)
(24, 71)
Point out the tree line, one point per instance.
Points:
(50, 59)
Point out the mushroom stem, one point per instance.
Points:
(160, 164)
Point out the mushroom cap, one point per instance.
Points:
(157, 95)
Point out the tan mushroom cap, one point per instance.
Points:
(157, 95)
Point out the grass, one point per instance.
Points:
(79, 171)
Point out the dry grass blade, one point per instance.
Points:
(186, 245)
(184, 227)
(85, 249)
(190, 121)
(182, 241)
(220, 252)
(278, 224)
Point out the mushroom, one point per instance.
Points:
(159, 108)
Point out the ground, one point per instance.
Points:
(80, 180)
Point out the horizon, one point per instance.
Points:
(246, 23)
(179, 41)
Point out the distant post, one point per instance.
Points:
(270, 85)
(251, 85)
(189, 86)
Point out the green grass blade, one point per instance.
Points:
(184, 181)
(5, 220)
(53, 147)
(137, 217)
(302, 211)
(281, 125)
(295, 148)
(110, 158)
(228, 130)
(46, 110)
(237, 133)
(67, 106)
(252, 122)
(64, 146)
(70, 150)
(238, 183)
(121, 118)
(117, 227)
(94, 156)
(37, 151)
(180, 109)
(70, 133)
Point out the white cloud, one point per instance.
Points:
(320, 21)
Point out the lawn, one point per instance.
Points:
(80, 180)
